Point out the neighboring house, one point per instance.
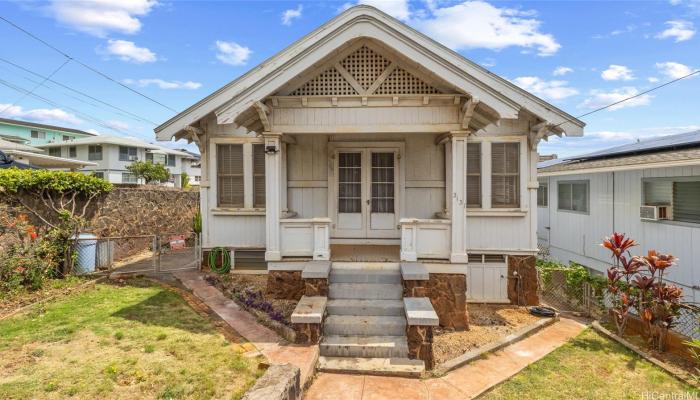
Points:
(649, 190)
(192, 166)
(112, 154)
(368, 141)
(33, 134)
(24, 156)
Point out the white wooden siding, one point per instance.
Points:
(576, 237)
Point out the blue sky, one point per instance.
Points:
(576, 55)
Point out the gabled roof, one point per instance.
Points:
(502, 97)
(666, 151)
(30, 124)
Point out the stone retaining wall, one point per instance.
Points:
(522, 281)
(280, 382)
(420, 344)
(447, 293)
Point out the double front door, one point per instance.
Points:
(366, 193)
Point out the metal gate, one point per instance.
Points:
(137, 254)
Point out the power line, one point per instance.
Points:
(135, 116)
(95, 70)
(631, 97)
(38, 85)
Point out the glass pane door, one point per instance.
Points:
(349, 182)
(382, 182)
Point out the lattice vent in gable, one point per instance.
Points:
(328, 83)
(365, 66)
(401, 81)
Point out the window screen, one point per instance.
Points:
(349, 182)
(474, 175)
(259, 175)
(543, 195)
(686, 201)
(505, 175)
(573, 196)
(230, 175)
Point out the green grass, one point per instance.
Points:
(135, 341)
(590, 367)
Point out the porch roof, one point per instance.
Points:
(495, 94)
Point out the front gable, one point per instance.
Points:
(364, 58)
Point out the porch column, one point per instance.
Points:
(458, 211)
(273, 196)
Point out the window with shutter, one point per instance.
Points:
(505, 175)
(259, 176)
(230, 175)
(686, 201)
(474, 175)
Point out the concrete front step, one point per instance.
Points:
(364, 346)
(365, 291)
(348, 325)
(364, 276)
(365, 307)
(372, 366)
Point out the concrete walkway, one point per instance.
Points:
(272, 346)
(463, 383)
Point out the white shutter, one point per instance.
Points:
(258, 176)
(474, 175)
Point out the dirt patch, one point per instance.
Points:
(250, 291)
(10, 303)
(487, 324)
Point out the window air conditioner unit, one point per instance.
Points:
(656, 212)
(133, 158)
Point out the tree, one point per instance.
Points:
(150, 172)
(65, 197)
(184, 180)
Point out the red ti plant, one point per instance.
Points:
(619, 278)
(643, 289)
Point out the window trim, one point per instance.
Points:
(247, 143)
(588, 195)
(91, 154)
(128, 153)
(519, 181)
(672, 179)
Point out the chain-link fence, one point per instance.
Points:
(569, 295)
(137, 253)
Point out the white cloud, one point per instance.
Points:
(601, 98)
(163, 84)
(477, 24)
(641, 134)
(673, 70)
(99, 17)
(232, 53)
(128, 51)
(396, 8)
(555, 90)
(617, 73)
(118, 125)
(652, 79)
(679, 30)
(40, 114)
(560, 71)
(291, 14)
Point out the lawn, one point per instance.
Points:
(591, 367)
(131, 341)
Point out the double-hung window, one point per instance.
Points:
(573, 196)
(95, 153)
(505, 175)
(240, 172)
(474, 175)
(128, 153)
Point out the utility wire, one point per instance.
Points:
(631, 97)
(135, 116)
(95, 70)
(38, 85)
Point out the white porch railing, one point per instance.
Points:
(425, 238)
(305, 237)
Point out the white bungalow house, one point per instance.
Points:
(649, 190)
(367, 141)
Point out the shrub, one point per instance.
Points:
(184, 180)
(576, 278)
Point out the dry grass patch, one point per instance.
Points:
(120, 342)
(487, 323)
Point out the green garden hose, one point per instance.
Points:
(225, 260)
